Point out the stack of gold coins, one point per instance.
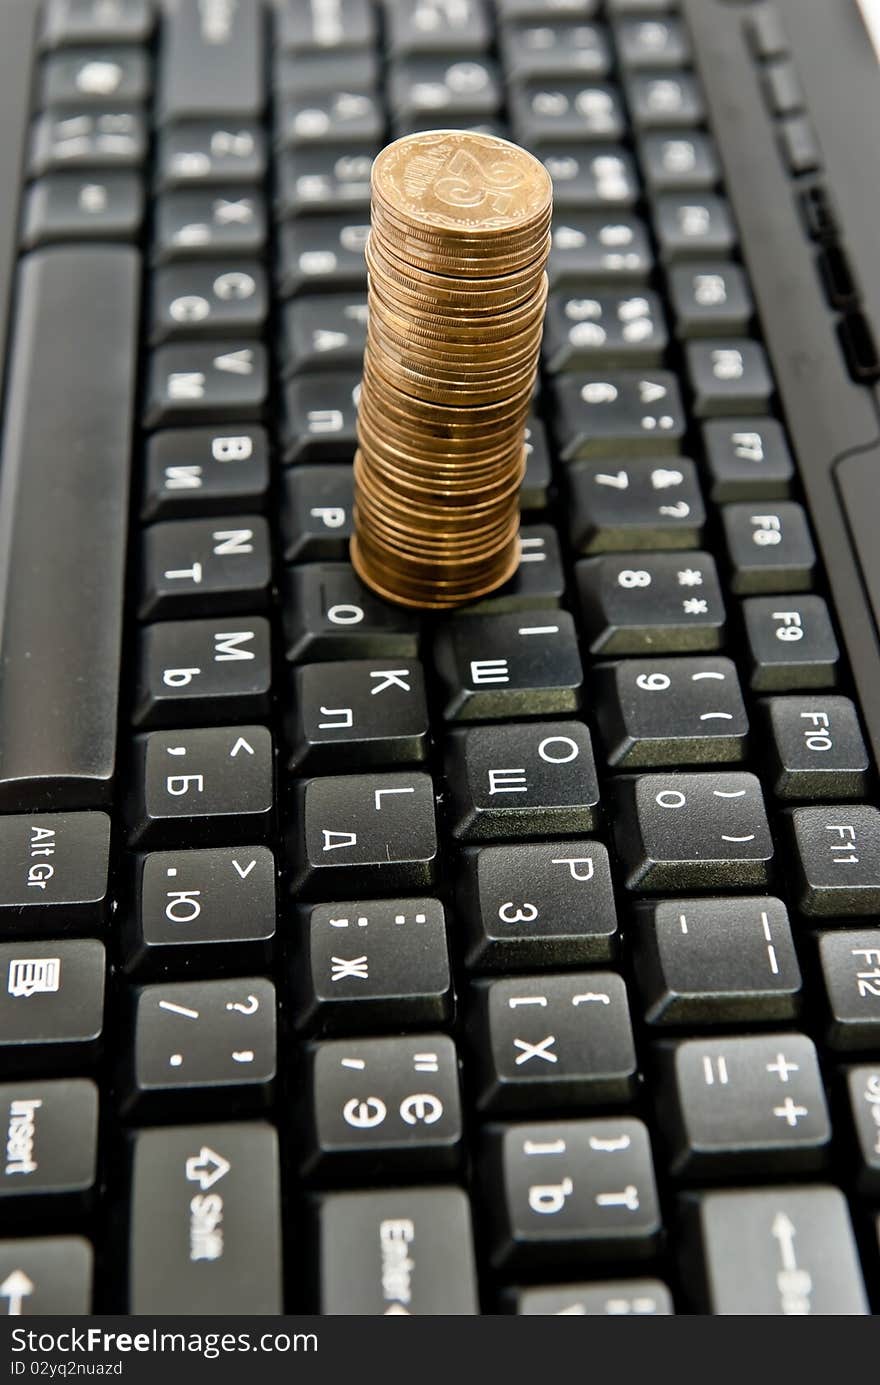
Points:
(457, 287)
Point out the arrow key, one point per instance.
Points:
(46, 1275)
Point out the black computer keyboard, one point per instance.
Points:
(523, 960)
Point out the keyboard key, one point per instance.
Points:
(190, 153)
(200, 566)
(82, 207)
(863, 1096)
(325, 331)
(316, 513)
(664, 100)
(816, 748)
(201, 671)
(350, 25)
(219, 1185)
(652, 43)
(568, 110)
(551, 1041)
(644, 504)
(635, 603)
(319, 180)
(554, 50)
(592, 178)
(744, 1104)
(322, 254)
(425, 1262)
(213, 910)
(362, 833)
(328, 432)
(565, 1192)
(330, 67)
(68, 22)
(51, 1006)
(436, 27)
(383, 719)
(331, 117)
(381, 1106)
(541, 904)
(497, 667)
(425, 89)
(195, 223)
(683, 161)
(770, 550)
(692, 831)
(212, 61)
(776, 1252)
(710, 299)
(614, 329)
(693, 225)
(654, 712)
(747, 459)
(850, 964)
(330, 614)
(373, 965)
(206, 471)
(66, 138)
(526, 779)
(51, 1139)
(199, 383)
(538, 582)
(599, 246)
(545, 9)
(613, 1298)
(47, 1275)
(206, 300)
(791, 642)
(200, 1045)
(837, 859)
(203, 784)
(59, 706)
(53, 873)
(728, 377)
(618, 412)
(716, 961)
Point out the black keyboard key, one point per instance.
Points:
(636, 603)
(51, 1005)
(62, 639)
(497, 667)
(207, 300)
(68, 22)
(728, 377)
(204, 784)
(93, 76)
(364, 833)
(611, 1298)
(525, 779)
(70, 138)
(552, 1041)
(769, 550)
(776, 1252)
(206, 383)
(198, 566)
(425, 1259)
(538, 582)
(693, 226)
(592, 178)
(373, 965)
(51, 1145)
(212, 910)
(547, 903)
(197, 1045)
(747, 459)
(618, 412)
(863, 1098)
(561, 111)
(47, 1275)
(791, 642)
(435, 27)
(212, 61)
(545, 9)
(330, 117)
(665, 100)
(331, 67)
(321, 254)
(324, 180)
(316, 513)
(555, 49)
(326, 331)
(80, 207)
(565, 1192)
(377, 1107)
(837, 859)
(202, 671)
(651, 42)
(190, 153)
(692, 831)
(205, 471)
(683, 161)
(710, 299)
(716, 961)
(192, 223)
(345, 26)
(816, 748)
(644, 504)
(741, 1104)
(319, 422)
(367, 712)
(421, 90)
(850, 966)
(330, 614)
(654, 712)
(614, 329)
(219, 1185)
(53, 873)
(599, 246)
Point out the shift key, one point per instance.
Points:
(53, 873)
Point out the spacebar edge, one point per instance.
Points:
(65, 465)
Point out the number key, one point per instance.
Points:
(671, 712)
(634, 603)
(645, 504)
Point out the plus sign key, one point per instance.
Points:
(744, 1104)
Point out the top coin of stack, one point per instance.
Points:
(457, 288)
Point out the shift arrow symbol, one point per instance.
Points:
(16, 1287)
(784, 1232)
(206, 1168)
